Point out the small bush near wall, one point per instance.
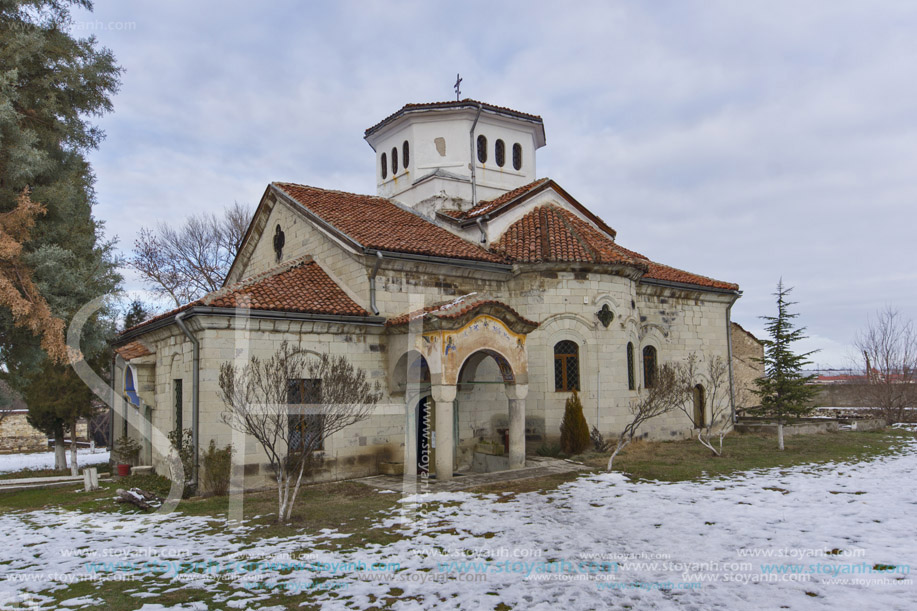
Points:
(217, 468)
(574, 432)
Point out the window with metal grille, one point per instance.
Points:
(482, 149)
(631, 374)
(306, 429)
(517, 156)
(500, 153)
(649, 367)
(394, 160)
(405, 155)
(384, 160)
(566, 366)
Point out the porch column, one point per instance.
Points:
(444, 398)
(410, 436)
(516, 394)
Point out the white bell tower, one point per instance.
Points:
(454, 154)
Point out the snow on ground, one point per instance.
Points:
(45, 460)
(599, 541)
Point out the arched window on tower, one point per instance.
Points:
(649, 367)
(394, 160)
(631, 374)
(384, 161)
(482, 149)
(517, 156)
(499, 153)
(566, 366)
(405, 155)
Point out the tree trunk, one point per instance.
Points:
(74, 468)
(622, 443)
(60, 452)
(780, 436)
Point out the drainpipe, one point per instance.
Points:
(195, 392)
(480, 227)
(372, 284)
(732, 393)
(474, 192)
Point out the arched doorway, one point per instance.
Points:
(482, 418)
(700, 407)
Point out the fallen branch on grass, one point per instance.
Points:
(141, 498)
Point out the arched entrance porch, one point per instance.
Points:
(447, 337)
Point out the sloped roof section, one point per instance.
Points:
(482, 208)
(658, 271)
(375, 222)
(466, 103)
(300, 286)
(550, 234)
(133, 350)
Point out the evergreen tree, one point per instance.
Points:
(137, 312)
(57, 398)
(51, 84)
(574, 432)
(784, 391)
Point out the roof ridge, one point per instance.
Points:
(576, 234)
(302, 186)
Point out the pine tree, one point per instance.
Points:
(574, 432)
(784, 391)
(51, 84)
(57, 399)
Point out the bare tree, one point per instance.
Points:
(708, 408)
(888, 346)
(665, 395)
(291, 403)
(193, 259)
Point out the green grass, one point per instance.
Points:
(673, 461)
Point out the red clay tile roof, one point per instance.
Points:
(489, 205)
(658, 271)
(301, 286)
(375, 222)
(133, 350)
(466, 103)
(551, 234)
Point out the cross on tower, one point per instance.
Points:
(457, 87)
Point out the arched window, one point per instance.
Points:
(631, 374)
(130, 388)
(394, 160)
(566, 366)
(700, 407)
(384, 167)
(649, 367)
(405, 155)
(482, 149)
(500, 153)
(517, 156)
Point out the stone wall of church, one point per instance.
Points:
(302, 238)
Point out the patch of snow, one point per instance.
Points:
(10, 463)
(599, 541)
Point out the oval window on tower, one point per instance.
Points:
(384, 166)
(394, 160)
(517, 156)
(500, 153)
(405, 155)
(482, 149)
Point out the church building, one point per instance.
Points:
(478, 294)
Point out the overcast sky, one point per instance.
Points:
(740, 140)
